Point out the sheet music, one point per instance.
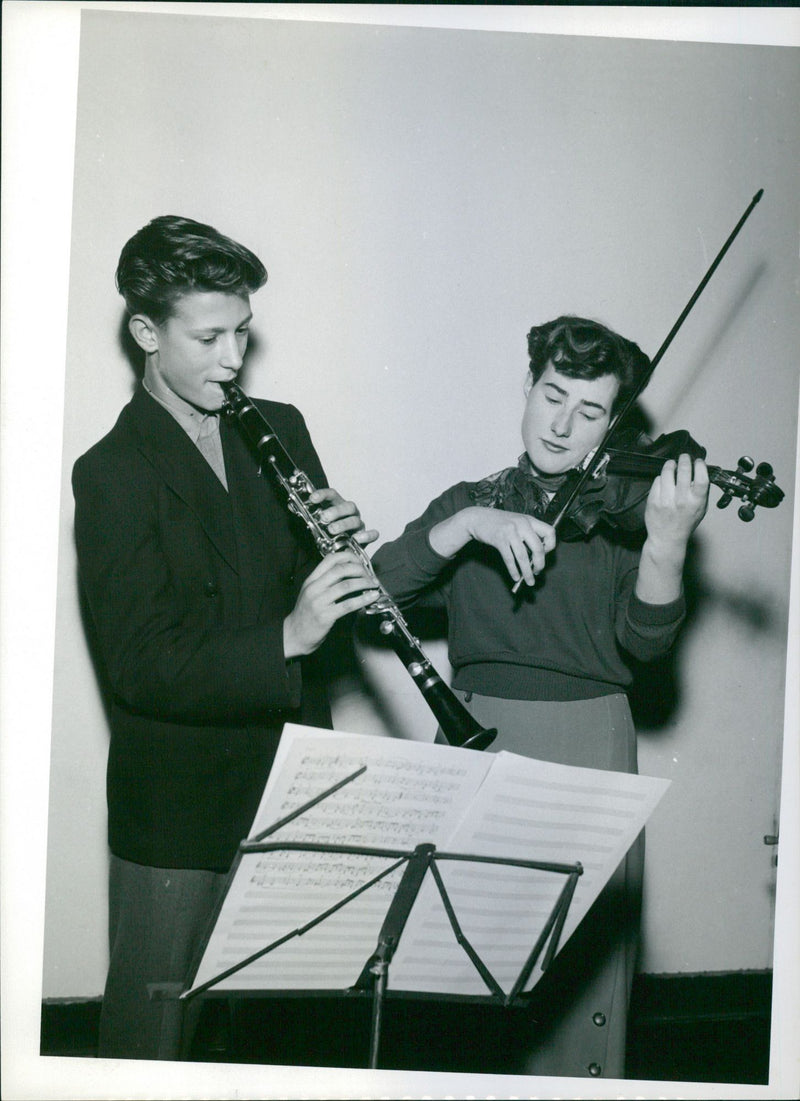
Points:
(410, 791)
(526, 810)
(461, 801)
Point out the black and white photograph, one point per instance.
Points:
(400, 442)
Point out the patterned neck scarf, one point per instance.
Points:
(517, 489)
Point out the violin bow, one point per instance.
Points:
(599, 454)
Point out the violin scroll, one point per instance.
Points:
(758, 490)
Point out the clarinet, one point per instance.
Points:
(458, 726)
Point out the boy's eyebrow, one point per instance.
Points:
(221, 328)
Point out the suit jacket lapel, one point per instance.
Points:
(183, 468)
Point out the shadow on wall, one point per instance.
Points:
(655, 695)
(340, 660)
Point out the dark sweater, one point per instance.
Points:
(569, 637)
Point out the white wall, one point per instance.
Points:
(421, 198)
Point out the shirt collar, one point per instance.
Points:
(190, 419)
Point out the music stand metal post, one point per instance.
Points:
(419, 862)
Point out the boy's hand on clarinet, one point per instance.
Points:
(340, 584)
(340, 517)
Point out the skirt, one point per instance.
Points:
(576, 1023)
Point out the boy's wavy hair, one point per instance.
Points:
(172, 256)
(580, 348)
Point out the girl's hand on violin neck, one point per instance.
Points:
(522, 541)
(675, 506)
(677, 502)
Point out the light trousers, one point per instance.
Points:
(157, 919)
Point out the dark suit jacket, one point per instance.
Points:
(187, 587)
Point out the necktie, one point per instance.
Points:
(210, 445)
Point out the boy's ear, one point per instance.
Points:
(144, 332)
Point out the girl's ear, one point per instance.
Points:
(144, 332)
(528, 385)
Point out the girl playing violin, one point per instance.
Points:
(541, 632)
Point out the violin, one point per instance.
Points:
(613, 483)
(616, 493)
(610, 486)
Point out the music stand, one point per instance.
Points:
(423, 859)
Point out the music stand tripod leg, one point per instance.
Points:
(380, 971)
(376, 970)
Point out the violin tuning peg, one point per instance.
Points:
(746, 513)
(724, 500)
(765, 470)
(745, 464)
